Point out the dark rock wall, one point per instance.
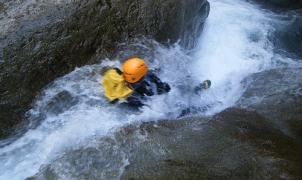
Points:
(280, 4)
(287, 38)
(44, 46)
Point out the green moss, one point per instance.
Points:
(2, 7)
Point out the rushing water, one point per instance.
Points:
(233, 45)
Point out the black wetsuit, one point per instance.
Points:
(150, 85)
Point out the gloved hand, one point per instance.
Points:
(204, 85)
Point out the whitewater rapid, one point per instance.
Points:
(233, 45)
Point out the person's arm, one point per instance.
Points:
(134, 101)
(162, 87)
(204, 85)
(142, 88)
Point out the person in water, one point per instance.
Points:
(134, 83)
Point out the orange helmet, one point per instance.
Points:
(134, 69)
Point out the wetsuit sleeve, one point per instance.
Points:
(162, 87)
(134, 101)
(142, 88)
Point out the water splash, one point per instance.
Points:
(233, 45)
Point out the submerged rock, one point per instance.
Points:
(40, 41)
(61, 102)
(280, 4)
(235, 144)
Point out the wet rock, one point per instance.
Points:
(254, 129)
(287, 34)
(287, 38)
(42, 40)
(235, 144)
(277, 95)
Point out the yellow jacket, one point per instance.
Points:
(115, 86)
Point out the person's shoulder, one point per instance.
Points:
(151, 73)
